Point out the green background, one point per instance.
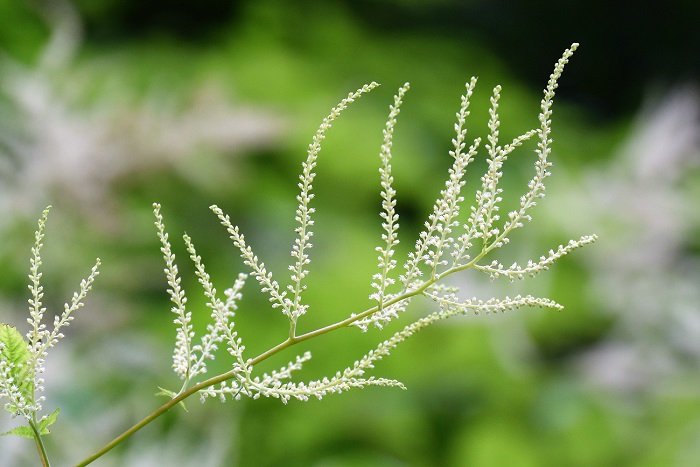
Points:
(107, 107)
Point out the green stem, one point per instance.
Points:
(157, 413)
(39, 444)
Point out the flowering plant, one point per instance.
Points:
(450, 243)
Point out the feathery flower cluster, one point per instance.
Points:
(22, 359)
(447, 245)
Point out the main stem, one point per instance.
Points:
(39, 443)
(157, 413)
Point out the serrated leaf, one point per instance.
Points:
(26, 431)
(23, 431)
(15, 351)
(47, 422)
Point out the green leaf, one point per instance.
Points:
(26, 431)
(47, 422)
(15, 352)
(23, 431)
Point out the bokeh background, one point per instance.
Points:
(106, 107)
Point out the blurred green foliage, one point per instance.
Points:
(483, 391)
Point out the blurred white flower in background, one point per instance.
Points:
(53, 148)
(644, 204)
